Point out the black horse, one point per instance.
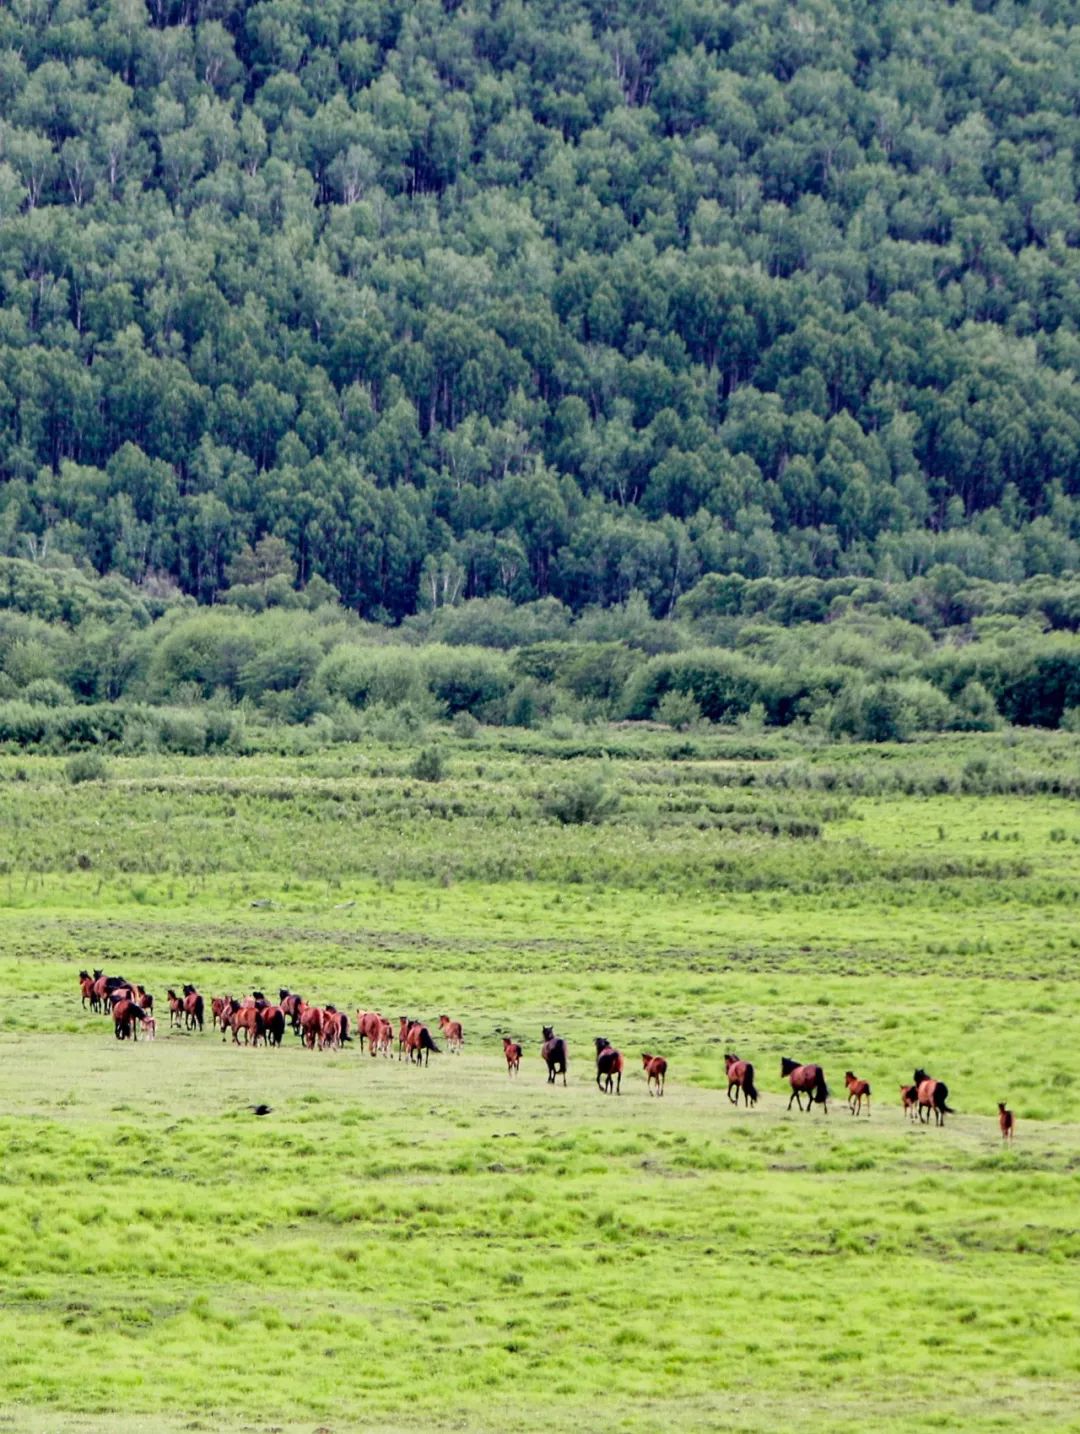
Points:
(554, 1053)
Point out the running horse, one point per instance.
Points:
(858, 1091)
(512, 1052)
(655, 1068)
(453, 1033)
(932, 1096)
(555, 1055)
(609, 1064)
(806, 1080)
(740, 1076)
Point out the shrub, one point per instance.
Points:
(585, 799)
(465, 725)
(679, 710)
(428, 765)
(47, 693)
(86, 767)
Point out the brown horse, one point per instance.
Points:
(368, 1025)
(403, 1032)
(909, 1095)
(149, 1028)
(609, 1064)
(86, 986)
(331, 1029)
(453, 1034)
(419, 1044)
(555, 1055)
(512, 1052)
(193, 1009)
(858, 1090)
(656, 1070)
(176, 1008)
(127, 1017)
(933, 1095)
(740, 1076)
(271, 1025)
(246, 1019)
(805, 1080)
(290, 1003)
(311, 1025)
(1006, 1121)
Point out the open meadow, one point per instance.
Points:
(445, 1248)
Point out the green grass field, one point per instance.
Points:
(396, 1248)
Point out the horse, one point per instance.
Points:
(933, 1095)
(193, 1008)
(455, 1037)
(740, 1076)
(609, 1064)
(270, 1025)
(555, 1055)
(655, 1069)
(86, 986)
(805, 1080)
(857, 1091)
(246, 1019)
(418, 1043)
(311, 1024)
(909, 1095)
(331, 1029)
(403, 1032)
(385, 1040)
(1006, 1121)
(291, 1003)
(126, 1019)
(512, 1052)
(176, 1008)
(149, 1027)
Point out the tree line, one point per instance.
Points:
(565, 301)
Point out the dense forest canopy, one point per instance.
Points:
(572, 300)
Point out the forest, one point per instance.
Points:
(650, 329)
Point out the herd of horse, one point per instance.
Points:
(258, 1018)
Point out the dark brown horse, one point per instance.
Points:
(127, 1017)
(858, 1091)
(419, 1044)
(1006, 1121)
(740, 1076)
(193, 1009)
(609, 1064)
(805, 1080)
(512, 1052)
(555, 1055)
(656, 1071)
(270, 1025)
(932, 1095)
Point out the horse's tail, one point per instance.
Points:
(427, 1043)
(749, 1088)
(941, 1096)
(821, 1090)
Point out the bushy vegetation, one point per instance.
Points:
(423, 302)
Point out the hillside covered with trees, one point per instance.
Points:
(549, 308)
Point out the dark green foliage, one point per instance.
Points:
(552, 307)
(585, 799)
(86, 767)
(429, 765)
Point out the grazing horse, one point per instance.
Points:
(805, 1080)
(291, 1003)
(656, 1070)
(555, 1055)
(176, 1008)
(1006, 1121)
(740, 1076)
(193, 1008)
(609, 1064)
(858, 1090)
(932, 1095)
(512, 1052)
(455, 1037)
(418, 1042)
(909, 1096)
(127, 1017)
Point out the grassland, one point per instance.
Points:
(394, 1248)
